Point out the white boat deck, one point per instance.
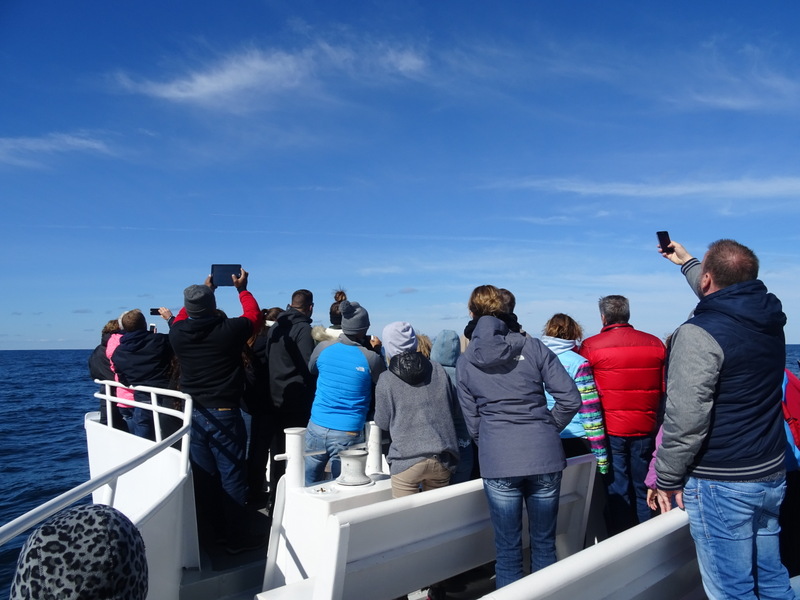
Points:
(360, 543)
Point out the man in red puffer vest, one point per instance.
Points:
(628, 368)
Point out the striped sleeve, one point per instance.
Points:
(591, 415)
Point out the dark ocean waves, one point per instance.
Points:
(44, 395)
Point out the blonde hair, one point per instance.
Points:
(485, 300)
(424, 345)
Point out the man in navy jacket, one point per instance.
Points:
(723, 439)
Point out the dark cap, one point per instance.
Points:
(199, 301)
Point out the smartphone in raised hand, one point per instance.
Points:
(664, 242)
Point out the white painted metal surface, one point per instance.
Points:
(652, 561)
(340, 544)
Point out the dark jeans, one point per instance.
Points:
(627, 493)
(143, 419)
(217, 452)
(261, 432)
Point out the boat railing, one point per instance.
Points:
(110, 477)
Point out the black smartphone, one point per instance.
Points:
(221, 274)
(154, 311)
(153, 328)
(664, 241)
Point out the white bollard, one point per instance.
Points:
(374, 459)
(295, 465)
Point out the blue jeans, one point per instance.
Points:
(735, 529)
(627, 493)
(505, 497)
(331, 442)
(217, 452)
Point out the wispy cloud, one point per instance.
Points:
(256, 78)
(745, 188)
(227, 80)
(737, 76)
(385, 270)
(31, 151)
(554, 220)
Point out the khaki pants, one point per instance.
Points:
(430, 473)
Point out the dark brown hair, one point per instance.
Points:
(729, 262)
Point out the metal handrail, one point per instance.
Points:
(33, 517)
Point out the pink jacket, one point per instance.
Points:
(113, 342)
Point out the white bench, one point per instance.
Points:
(652, 561)
(396, 546)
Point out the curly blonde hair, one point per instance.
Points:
(486, 300)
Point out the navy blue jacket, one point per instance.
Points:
(723, 416)
(144, 358)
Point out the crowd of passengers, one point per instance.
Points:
(496, 402)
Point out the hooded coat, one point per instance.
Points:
(289, 348)
(723, 417)
(501, 379)
(414, 402)
(144, 358)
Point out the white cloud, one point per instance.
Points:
(227, 80)
(29, 151)
(255, 78)
(773, 187)
(740, 78)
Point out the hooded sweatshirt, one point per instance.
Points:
(445, 350)
(501, 380)
(288, 350)
(144, 358)
(723, 417)
(414, 402)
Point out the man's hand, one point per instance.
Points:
(165, 313)
(240, 283)
(665, 498)
(375, 343)
(210, 283)
(652, 502)
(679, 255)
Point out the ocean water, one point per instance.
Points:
(43, 398)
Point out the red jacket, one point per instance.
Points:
(628, 368)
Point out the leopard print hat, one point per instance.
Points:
(91, 551)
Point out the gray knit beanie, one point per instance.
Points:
(199, 301)
(90, 551)
(355, 318)
(399, 337)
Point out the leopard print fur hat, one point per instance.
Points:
(91, 551)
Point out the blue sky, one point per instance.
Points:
(407, 151)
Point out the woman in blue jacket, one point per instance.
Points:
(501, 380)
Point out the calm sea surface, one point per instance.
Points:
(44, 395)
